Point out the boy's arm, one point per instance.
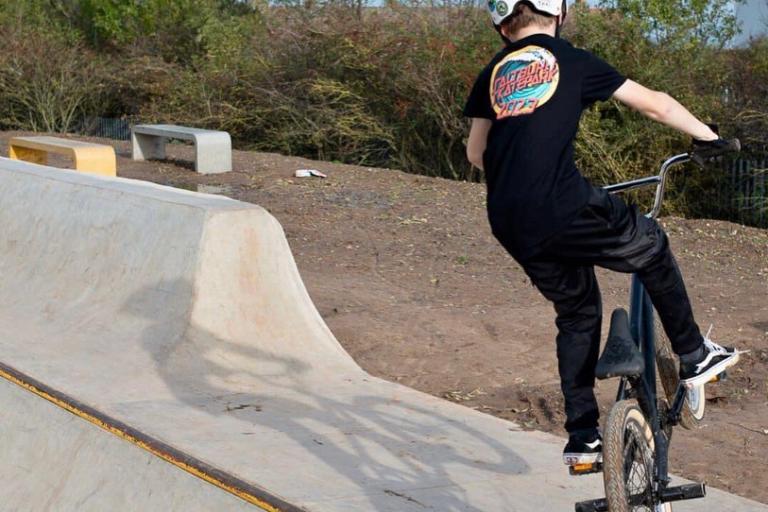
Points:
(478, 139)
(663, 108)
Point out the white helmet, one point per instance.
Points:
(502, 9)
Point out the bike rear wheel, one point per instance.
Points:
(695, 399)
(628, 461)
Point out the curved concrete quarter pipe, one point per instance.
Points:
(159, 353)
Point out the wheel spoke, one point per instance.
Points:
(628, 460)
(637, 474)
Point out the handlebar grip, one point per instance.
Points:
(703, 151)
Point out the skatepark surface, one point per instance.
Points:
(160, 352)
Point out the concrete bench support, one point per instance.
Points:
(88, 157)
(213, 149)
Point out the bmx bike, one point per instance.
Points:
(638, 430)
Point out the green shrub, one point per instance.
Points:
(375, 86)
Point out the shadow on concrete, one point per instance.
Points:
(390, 446)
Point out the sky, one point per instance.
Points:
(754, 17)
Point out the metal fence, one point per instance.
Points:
(107, 127)
(745, 194)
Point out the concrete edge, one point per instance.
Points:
(225, 481)
(128, 186)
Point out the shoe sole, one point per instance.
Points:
(571, 459)
(712, 372)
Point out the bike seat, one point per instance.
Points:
(620, 357)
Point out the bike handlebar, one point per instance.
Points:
(702, 152)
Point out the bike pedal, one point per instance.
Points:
(599, 505)
(585, 469)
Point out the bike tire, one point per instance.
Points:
(628, 462)
(667, 364)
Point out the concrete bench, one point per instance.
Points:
(213, 149)
(88, 157)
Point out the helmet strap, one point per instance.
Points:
(561, 19)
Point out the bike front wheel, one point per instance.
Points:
(628, 461)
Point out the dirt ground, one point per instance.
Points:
(407, 275)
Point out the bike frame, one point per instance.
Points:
(642, 328)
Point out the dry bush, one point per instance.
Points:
(46, 83)
(374, 86)
(616, 144)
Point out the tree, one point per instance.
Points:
(685, 22)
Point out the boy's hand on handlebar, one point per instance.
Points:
(704, 150)
(713, 133)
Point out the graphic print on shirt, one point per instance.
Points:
(523, 81)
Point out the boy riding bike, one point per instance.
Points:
(525, 108)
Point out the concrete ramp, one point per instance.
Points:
(160, 352)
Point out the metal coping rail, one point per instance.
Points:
(233, 485)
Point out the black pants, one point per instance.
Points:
(609, 234)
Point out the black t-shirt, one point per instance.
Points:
(534, 91)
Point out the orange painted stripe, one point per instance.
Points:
(220, 479)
